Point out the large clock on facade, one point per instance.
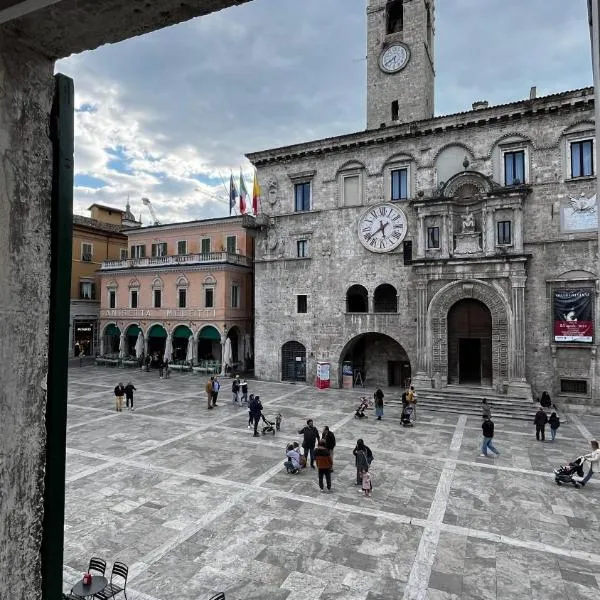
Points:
(382, 227)
(394, 58)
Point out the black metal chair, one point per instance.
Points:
(219, 596)
(97, 564)
(118, 582)
(71, 596)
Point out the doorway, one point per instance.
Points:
(470, 343)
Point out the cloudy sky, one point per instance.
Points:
(169, 115)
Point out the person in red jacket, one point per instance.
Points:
(324, 464)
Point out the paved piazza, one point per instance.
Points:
(194, 504)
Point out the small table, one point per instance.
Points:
(97, 585)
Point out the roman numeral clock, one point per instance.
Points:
(382, 228)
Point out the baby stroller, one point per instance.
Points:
(360, 411)
(269, 426)
(565, 473)
(406, 416)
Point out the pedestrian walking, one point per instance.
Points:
(411, 398)
(167, 372)
(554, 422)
(378, 398)
(488, 435)
(255, 413)
(362, 458)
(540, 420)
(324, 464)
(592, 458)
(311, 437)
(329, 438)
(545, 401)
(147, 362)
(216, 386)
(119, 393)
(486, 409)
(244, 392)
(209, 391)
(161, 367)
(235, 388)
(250, 418)
(129, 389)
(367, 483)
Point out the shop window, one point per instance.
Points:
(573, 386)
(157, 295)
(301, 303)
(399, 182)
(433, 238)
(182, 298)
(87, 251)
(302, 196)
(209, 298)
(159, 249)
(582, 158)
(205, 245)
(182, 247)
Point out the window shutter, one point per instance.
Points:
(93, 291)
(80, 289)
(351, 189)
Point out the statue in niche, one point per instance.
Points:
(468, 223)
(272, 191)
(269, 242)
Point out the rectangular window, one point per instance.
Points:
(231, 244)
(209, 298)
(159, 249)
(123, 253)
(433, 237)
(133, 300)
(205, 245)
(399, 184)
(514, 167)
(157, 298)
(573, 386)
(302, 196)
(138, 251)
(351, 190)
(504, 237)
(302, 303)
(87, 252)
(182, 298)
(112, 299)
(395, 110)
(86, 290)
(582, 158)
(235, 296)
(182, 247)
(302, 248)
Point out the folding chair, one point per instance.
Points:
(118, 576)
(219, 596)
(97, 564)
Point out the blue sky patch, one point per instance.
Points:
(88, 181)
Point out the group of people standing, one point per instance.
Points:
(124, 391)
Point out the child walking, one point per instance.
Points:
(367, 484)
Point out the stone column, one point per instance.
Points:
(518, 382)
(518, 233)
(26, 91)
(484, 233)
(445, 232)
(421, 376)
(420, 235)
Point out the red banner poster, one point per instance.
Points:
(573, 315)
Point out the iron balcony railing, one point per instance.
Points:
(178, 259)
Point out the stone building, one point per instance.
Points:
(450, 250)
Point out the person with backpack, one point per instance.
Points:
(235, 388)
(119, 393)
(487, 428)
(363, 457)
(311, 437)
(129, 389)
(540, 420)
(329, 438)
(554, 422)
(256, 408)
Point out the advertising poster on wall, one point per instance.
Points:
(573, 315)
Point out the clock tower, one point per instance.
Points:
(400, 66)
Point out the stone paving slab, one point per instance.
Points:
(194, 504)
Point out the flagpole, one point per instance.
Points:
(594, 18)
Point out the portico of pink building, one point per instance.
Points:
(181, 292)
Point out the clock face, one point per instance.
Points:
(394, 58)
(382, 228)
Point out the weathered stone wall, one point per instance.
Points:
(26, 88)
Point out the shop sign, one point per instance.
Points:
(573, 320)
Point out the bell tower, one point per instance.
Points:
(400, 65)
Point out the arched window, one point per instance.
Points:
(357, 299)
(182, 291)
(385, 299)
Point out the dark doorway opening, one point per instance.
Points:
(293, 362)
(398, 373)
(469, 361)
(470, 343)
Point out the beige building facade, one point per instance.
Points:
(451, 251)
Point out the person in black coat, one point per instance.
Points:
(554, 422)
(255, 413)
(362, 458)
(311, 437)
(129, 389)
(540, 420)
(545, 400)
(119, 393)
(329, 439)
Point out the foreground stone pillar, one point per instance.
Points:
(518, 383)
(26, 91)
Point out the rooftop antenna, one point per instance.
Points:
(147, 203)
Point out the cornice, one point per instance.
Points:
(199, 224)
(173, 269)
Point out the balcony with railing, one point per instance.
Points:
(178, 260)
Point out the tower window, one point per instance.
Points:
(395, 110)
(395, 16)
(399, 179)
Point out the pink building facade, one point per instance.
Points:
(183, 290)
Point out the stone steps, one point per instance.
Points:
(459, 400)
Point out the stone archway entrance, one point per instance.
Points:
(470, 343)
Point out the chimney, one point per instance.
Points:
(480, 104)
(533, 92)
